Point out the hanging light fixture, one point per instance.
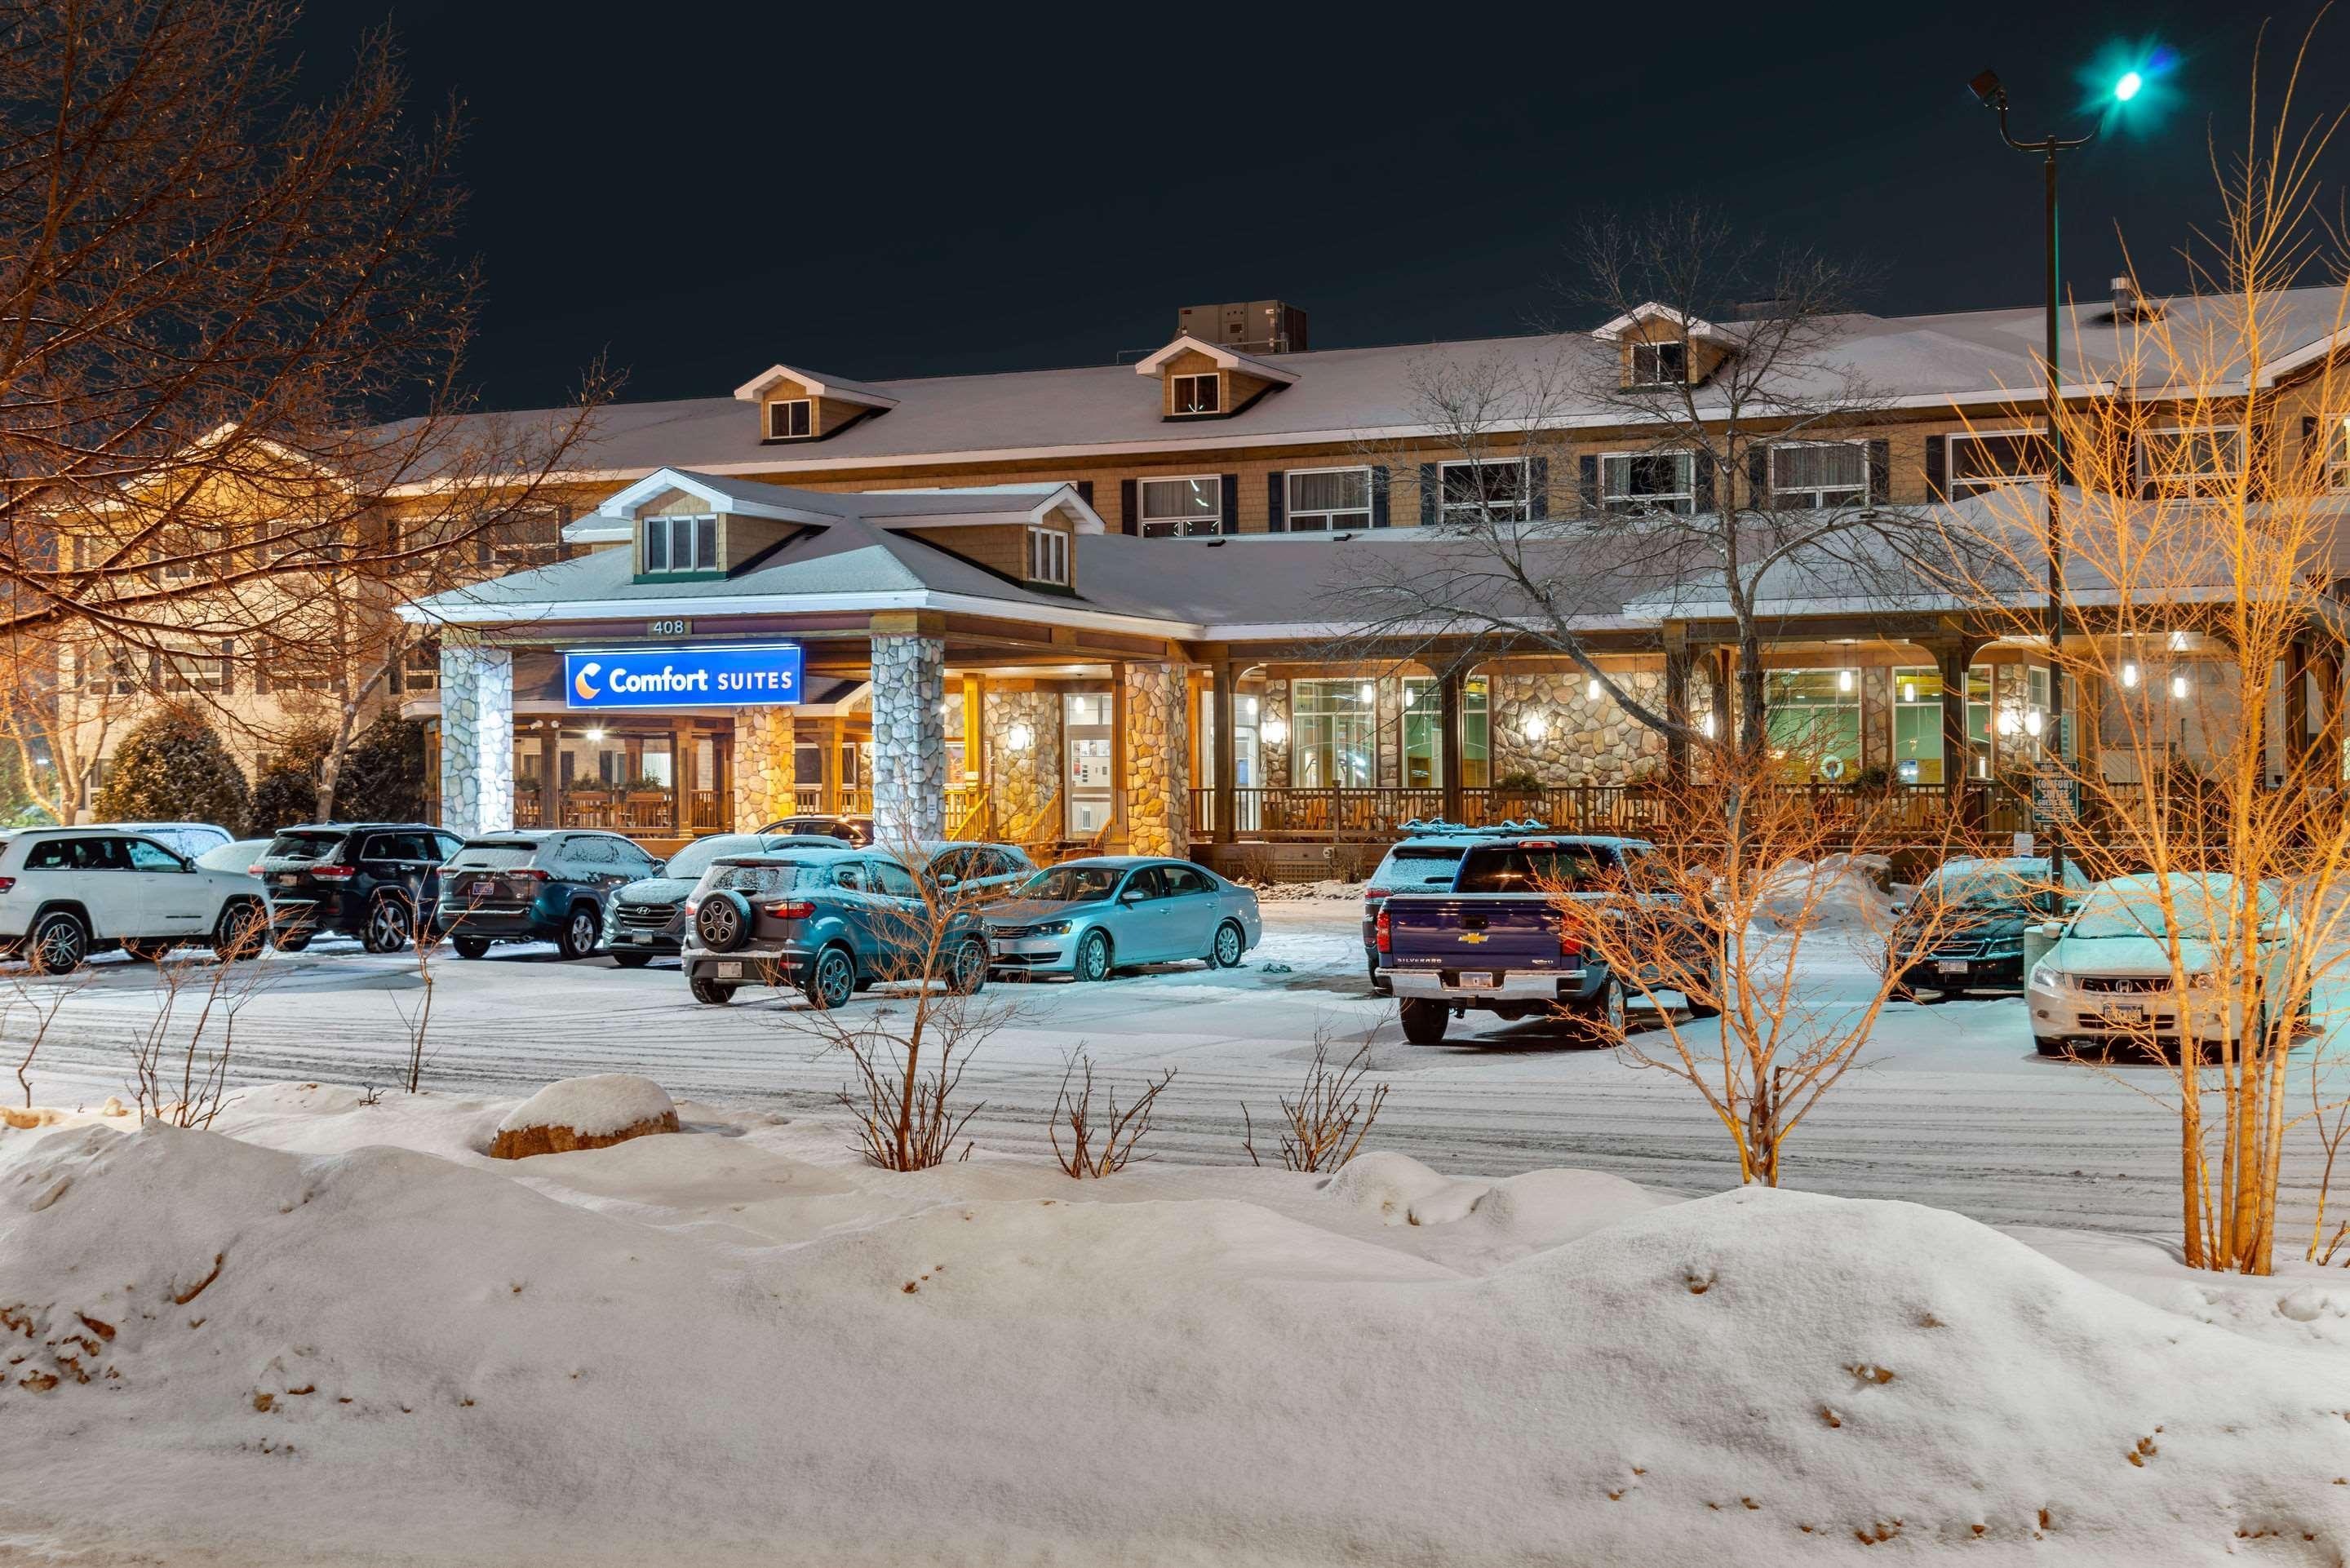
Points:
(2129, 672)
(1908, 691)
(1369, 693)
(1844, 679)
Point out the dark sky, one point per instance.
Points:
(700, 189)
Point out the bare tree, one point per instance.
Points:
(1746, 483)
(2198, 532)
(38, 1005)
(1726, 928)
(425, 935)
(219, 287)
(178, 1064)
(1324, 1126)
(1119, 1131)
(62, 702)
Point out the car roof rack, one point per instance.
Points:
(1437, 827)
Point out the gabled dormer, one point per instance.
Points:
(1026, 533)
(1206, 381)
(680, 526)
(797, 405)
(1658, 348)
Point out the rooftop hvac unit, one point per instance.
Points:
(1256, 326)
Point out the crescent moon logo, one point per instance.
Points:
(579, 683)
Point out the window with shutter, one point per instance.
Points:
(1321, 500)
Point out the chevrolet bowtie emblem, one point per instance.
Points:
(1473, 936)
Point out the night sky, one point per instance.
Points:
(699, 190)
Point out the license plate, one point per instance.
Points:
(1951, 966)
(1479, 981)
(2125, 1014)
(480, 889)
(730, 971)
(288, 878)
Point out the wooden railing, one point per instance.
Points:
(1357, 815)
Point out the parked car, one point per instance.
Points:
(241, 855)
(1086, 917)
(523, 886)
(1425, 862)
(188, 840)
(1982, 907)
(851, 827)
(2107, 980)
(1497, 941)
(68, 892)
(648, 916)
(371, 880)
(827, 923)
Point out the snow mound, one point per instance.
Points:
(1542, 1208)
(1328, 888)
(601, 1108)
(1841, 892)
(423, 1361)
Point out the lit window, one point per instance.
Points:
(1659, 364)
(680, 545)
(1048, 557)
(1329, 498)
(1485, 492)
(189, 671)
(1819, 475)
(1649, 482)
(793, 419)
(1195, 394)
(1176, 506)
(2199, 461)
(1987, 461)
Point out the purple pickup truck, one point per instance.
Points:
(1499, 940)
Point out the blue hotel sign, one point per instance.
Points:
(727, 676)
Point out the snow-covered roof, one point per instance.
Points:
(1690, 326)
(1982, 357)
(818, 385)
(1222, 357)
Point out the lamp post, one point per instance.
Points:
(1993, 96)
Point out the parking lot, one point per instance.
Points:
(1952, 1107)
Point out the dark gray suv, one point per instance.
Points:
(648, 918)
(526, 887)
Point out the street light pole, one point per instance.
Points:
(1988, 89)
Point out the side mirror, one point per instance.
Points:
(2271, 933)
(949, 879)
(2051, 930)
(1899, 908)
(1131, 895)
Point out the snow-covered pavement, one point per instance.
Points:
(1952, 1107)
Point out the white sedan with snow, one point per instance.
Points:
(2110, 978)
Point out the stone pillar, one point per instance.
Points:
(1677, 705)
(476, 737)
(1023, 761)
(1272, 758)
(910, 754)
(766, 764)
(1158, 783)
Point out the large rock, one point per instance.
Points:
(593, 1112)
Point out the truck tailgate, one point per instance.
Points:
(1473, 930)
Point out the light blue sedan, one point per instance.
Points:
(1085, 917)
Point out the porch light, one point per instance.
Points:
(2032, 721)
(1591, 689)
(596, 737)
(2179, 688)
(1535, 726)
(1369, 693)
(2129, 674)
(1019, 738)
(1908, 691)
(2007, 721)
(1274, 732)
(1844, 679)
(1251, 709)
(1708, 726)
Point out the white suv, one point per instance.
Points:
(68, 892)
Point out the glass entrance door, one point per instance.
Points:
(1086, 733)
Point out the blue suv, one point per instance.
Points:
(827, 923)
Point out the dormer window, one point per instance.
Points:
(791, 420)
(680, 545)
(1196, 394)
(1664, 364)
(1048, 557)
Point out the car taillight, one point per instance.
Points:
(253, 869)
(528, 874)
(692, 905)
(6, 883)
(1383, 934)
(1570, 941)
(1370, 893)
(790, 908)
(333, 873)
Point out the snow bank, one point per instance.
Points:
(1841, 893)
(1329, 888)
(383, 1355)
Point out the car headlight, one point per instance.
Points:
(2049, 979)
(1050, 928)
(2203, 980)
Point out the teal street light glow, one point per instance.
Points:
(2129, 86)
(2126, 88)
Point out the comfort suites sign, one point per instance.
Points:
(726, 677)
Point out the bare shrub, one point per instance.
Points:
(39, 1006)
(907, 1051)
(180, 1063)
(1119, 1131)
(1324, 1127)
(425, 935)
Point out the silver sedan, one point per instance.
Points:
(1085, 917)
